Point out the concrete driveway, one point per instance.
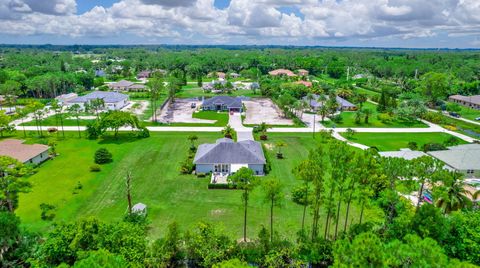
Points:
(264, 110)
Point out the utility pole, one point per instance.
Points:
(416, 74)
(129, 188)
(314, 125)
(348, 72)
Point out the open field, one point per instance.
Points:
(348, 120)
(396, 141)
(154, 164)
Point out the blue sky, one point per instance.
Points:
(381, 23)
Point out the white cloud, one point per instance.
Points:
(245, 20)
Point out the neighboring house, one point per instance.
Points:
(302, 72)
(211, 85)
(467, 101)
(280, 72)
(226, 157)
(25, 153)
(219, 75)
(65, 98)
(344, 105)
(234, 75)
(112, 100)
(144, 74)
(406, 154)
(254, 85)
(462, 158)
(100, 73)
(223, 103)
(124, 85)
(305, 83)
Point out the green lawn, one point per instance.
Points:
(396, 141)
(348, 120)
(221, 118)
(154, 163)
(53, 121)
(367, 92)
(469, 113)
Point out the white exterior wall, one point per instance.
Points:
(38, 159)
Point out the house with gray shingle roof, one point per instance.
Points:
(226, 157)
(344, 105)
(223, 103)
(112, 100)
(462, 158)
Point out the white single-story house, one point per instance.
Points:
(462, 158)
(65, 98)
(467, 101)
(226, 157)
(112, 100)
(124, 85)
(140, 209)
(223, 103)
(25, 153)
(405, 153)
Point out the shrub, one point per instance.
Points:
(337, 118)
(451, 141)
(52, 130)
(93, 130)
(433, 147)
(412, 145)
(385, 118)
(103, 156)
(201, 175)
(221, 186)
(95, 168)
(186, 167)
(143, 132)
(47, 212)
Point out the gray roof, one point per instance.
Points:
(460, 157)
(107, 96)
(475, 99)
(226, 151)
(122, 83)
(343, 102)
(139, 207)
(406, 154)
(230, 102)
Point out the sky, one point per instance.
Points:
(365, 23)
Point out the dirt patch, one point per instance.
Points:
(217, 212)
(264, 110)
(269, 146)
(181, 111)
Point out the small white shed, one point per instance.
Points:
(140, 209)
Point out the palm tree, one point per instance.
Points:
(227, 131)
(273, 195)
(279, 145)
(244, 180)
(262, 128)
(358, 116)
(75, 110)
(452, 194)
(366, 112)
(344, 93)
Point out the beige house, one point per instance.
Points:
(467, 101)
(25, 153)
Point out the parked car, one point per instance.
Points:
(453, 114)
(478, 118)
(193, 105)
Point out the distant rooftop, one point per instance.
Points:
(406, 154)
(475, 99)
(107, 96)
(227, 151)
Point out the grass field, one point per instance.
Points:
(396, 141)
(469, 113)
(348, 120)
(154, 164)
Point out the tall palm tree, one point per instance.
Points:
(452, 193)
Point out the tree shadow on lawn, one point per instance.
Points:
(121, 138)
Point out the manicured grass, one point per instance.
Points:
(154, 164)
(469, 113)
(53, 121)
(348, 120)
(396, 141)
(367, 92)
(221, 118)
